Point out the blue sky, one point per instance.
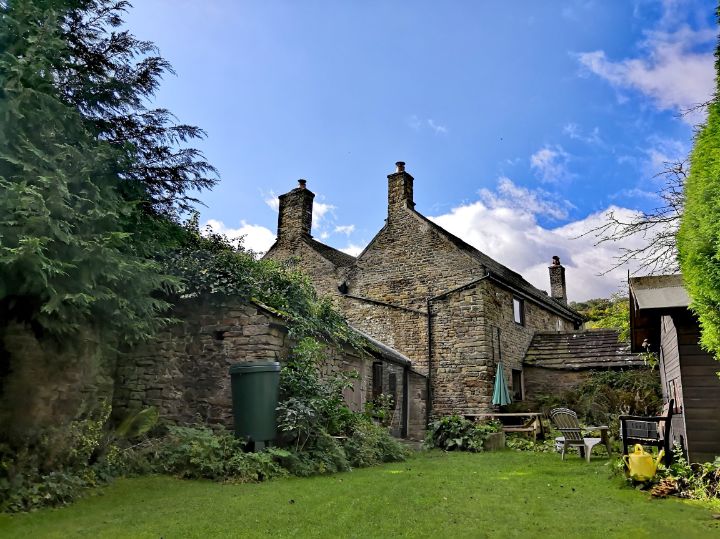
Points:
(522, 122)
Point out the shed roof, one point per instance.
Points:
(659, 292)
(577, 350)
(383, 349)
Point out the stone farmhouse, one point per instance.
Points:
(453, 311)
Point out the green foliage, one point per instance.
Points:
(196, 452)
(312, 405)
(700, 481)
(699, 235)
(65, 257)
(209, 264)
(613, 313)
(137, 424)
(55, 468)
(455, 433)
(518, 442)
(371, 444)
(381, 409)
(606, 395)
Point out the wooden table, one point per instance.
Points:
(532, 424)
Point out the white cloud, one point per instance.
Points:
(439, 129)
(670, 71)
(273, 201)
(257, 238)
(575, 132)
(352, 249)
(509, 232)
(414, 122)
(417, 123)
(319, 211)
(662, 151)
(535, 201)
(345, 229)
(551, 164)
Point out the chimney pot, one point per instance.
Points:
(556, 260)
(400, 166)
(301, 183)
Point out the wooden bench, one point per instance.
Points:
(531, 426)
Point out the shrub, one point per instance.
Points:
(455, 433)
(606, 395)
(201, 453)
(696, 481)
(312, 405)
(55, 467)
(371, 444)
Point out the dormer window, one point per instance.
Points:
(519, 311)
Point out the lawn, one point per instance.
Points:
(502, 494)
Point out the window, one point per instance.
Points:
(519, 311)
(392, 387)
(517, 385)
(377, 381)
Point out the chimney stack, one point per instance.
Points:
(558, 289)
(400, 189)
(295, 216)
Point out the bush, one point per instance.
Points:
(55, 467)
(695, 481)
(455, 433)
(606, 395)
(518, 442)
(371, 444)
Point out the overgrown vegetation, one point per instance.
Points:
(697, 481)
(607, 394)
(455, 433)
(609, 313)
(698, 247)
(700, 481)
(94, 186)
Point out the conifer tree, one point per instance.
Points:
(699, 234)
(66, 259)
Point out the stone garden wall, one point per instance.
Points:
(184, 371)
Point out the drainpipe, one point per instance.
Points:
(429, 391)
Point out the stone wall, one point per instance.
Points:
(325, 275)
(515, 338)
(184, 371)
(540, 381)
(48, 383)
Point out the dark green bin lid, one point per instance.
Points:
(246, 368)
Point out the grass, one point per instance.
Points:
(503, 494)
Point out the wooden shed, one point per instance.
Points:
(661, 322)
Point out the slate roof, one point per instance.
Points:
(577, 350)
(384, 350)
(505, 274)
(338, 258)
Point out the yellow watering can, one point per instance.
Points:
(641, 464)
